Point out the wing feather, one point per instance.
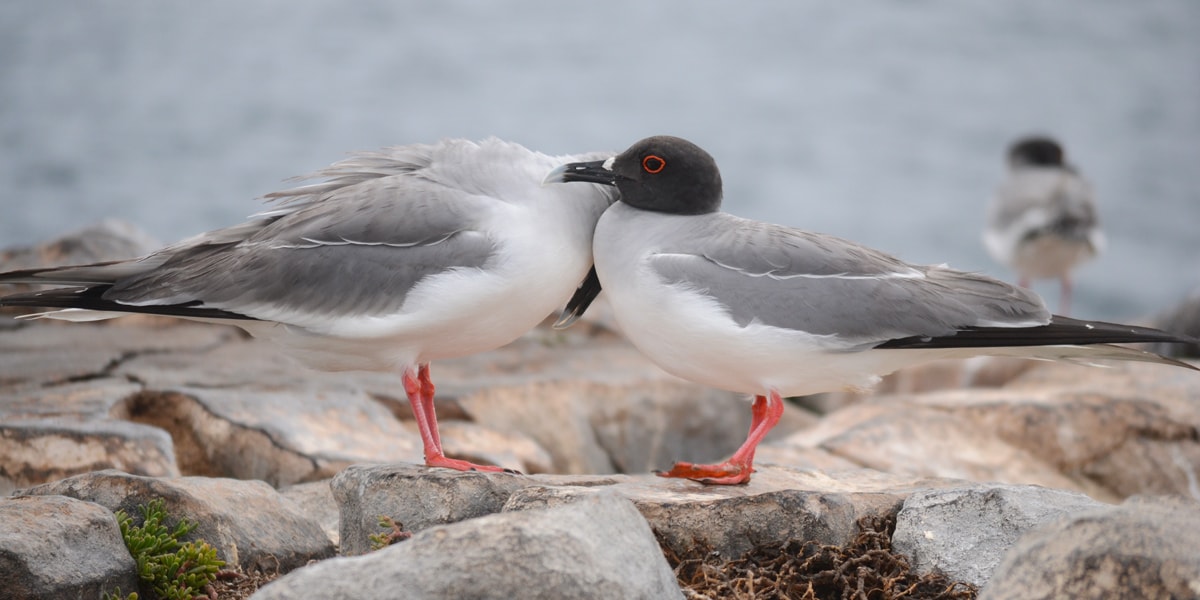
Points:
(825, 285)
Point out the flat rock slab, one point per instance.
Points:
(47, 353)
(1144, 548)
(57, 547)
(1107, 432)
(965, 532)
(598, 547)
(281, 437)
(38, 450)
(777, 504)
(248, 522)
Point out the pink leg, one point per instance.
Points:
(1064, 298)
(1023, 282)
(420, 395)
(766, 412)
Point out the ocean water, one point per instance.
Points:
(877, 121)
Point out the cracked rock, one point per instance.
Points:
(41, 450)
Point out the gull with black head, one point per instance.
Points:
(772, 311)
(1042, 221)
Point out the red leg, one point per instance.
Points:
(420, 395)
(766, 412)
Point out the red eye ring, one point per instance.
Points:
(653, 164)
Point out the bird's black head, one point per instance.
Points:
(661, 173)
(1036, 151)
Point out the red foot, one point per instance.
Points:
(726, 473)
(462, 465)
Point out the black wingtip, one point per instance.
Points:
(92, 298)
(1060, 331)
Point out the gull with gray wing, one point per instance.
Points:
(398, 258)
(772, 311)
(1042, 221)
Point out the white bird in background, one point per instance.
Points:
(400, 257)
(1042, 221)
(772, 311)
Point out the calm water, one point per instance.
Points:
(877, 121)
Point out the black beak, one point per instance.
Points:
(598, 171)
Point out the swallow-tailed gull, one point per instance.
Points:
(1042, 221)
(398, 258)
(771, 311)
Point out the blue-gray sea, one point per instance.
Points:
(883, 122)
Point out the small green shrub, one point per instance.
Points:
(174, 570)
(395, 533)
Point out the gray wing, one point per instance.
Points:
(352, 249)
(1045, 200)
(828, 286)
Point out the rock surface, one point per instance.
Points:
(597, 547)
(777, 504)
(38, 449)
(159, 397)
(965, 532)
(248, 522)
(56, 547)
(1107, 432)
(1144, 549)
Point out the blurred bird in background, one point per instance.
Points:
(1042, 221)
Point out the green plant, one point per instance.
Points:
(174, 570)
(395, 533)
(116, 595)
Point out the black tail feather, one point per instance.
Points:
(1060, 331)
(580, 301)
(63, 275)
(92, 298)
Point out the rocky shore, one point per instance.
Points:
(1023, 479)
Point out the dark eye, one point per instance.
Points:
(653, 164)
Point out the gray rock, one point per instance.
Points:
(41, 450)
(108, 239)
(91, 398)
(248, 522)
(1145, 548)
(56, 547)
(1109, 433)
(777, 504)
(964, 532)
(45, 353)
(597, 548)
(415, 496)
(278, 436)
(315, 499)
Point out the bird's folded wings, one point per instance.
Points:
(359, 251)
(824, 285)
